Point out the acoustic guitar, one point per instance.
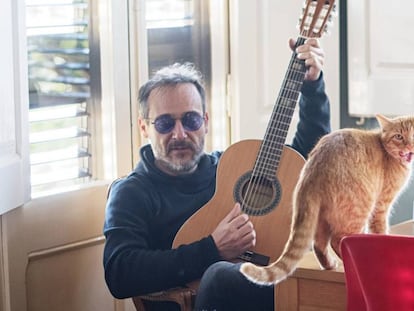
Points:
(262, 174)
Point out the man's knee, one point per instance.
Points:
(220, 273)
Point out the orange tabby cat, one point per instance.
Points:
(349, 181)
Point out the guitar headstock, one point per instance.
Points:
(316, 17)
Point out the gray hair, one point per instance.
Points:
(171, 75)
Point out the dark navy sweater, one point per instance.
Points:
(145, 210)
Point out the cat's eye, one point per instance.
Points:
(398, 136)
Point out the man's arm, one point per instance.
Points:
(314, 116)
(131, 267)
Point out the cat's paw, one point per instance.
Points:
(330, 264)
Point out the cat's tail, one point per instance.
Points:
(300, 241)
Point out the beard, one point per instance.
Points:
(179, 164)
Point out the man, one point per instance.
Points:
(174, 178)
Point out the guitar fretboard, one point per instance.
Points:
(274, 140)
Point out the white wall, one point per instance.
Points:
(259, 32)
(259, 58)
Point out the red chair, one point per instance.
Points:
(379, 272)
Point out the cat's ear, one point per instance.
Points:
(383, 120)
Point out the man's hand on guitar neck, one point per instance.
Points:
(235, 234)
(313, 56)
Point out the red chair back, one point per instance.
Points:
(379, 272)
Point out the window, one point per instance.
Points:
(81, 90)
(183, 31)
(60, 112)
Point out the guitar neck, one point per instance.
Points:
(278, 127)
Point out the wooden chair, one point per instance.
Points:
(183, 296)
(379, 272)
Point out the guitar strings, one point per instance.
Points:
(263, 174)
(270, 155)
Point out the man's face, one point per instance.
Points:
(178, 151)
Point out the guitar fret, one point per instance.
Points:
(287, 103)
(292, 85)
(297, 66)
(283, 126)
(281, 121)
(289, 97)
(276, 135)
(268, 171)
(298, 71)
(276, 148)
(289, 94)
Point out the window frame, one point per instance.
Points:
(14, 162)
(113, 129)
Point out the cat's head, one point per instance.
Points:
(397, 135)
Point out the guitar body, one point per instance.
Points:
(273, 226)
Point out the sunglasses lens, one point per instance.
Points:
(192, 121)
(164, 124)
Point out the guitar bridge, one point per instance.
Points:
(257, 259)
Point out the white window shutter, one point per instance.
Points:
(14, 153)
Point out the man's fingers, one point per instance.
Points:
(235, 211)
(292, 43)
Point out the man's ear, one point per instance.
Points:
(206, 121)
(143, 127)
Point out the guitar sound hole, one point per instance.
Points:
(258, 195)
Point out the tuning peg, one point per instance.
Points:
(334, 11)
(327, 28)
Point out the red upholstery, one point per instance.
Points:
(379, 272)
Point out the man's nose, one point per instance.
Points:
(179, 131)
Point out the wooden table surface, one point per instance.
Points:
(404, 228)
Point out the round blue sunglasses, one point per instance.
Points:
(191, 121)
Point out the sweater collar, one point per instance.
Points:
(200, 178)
